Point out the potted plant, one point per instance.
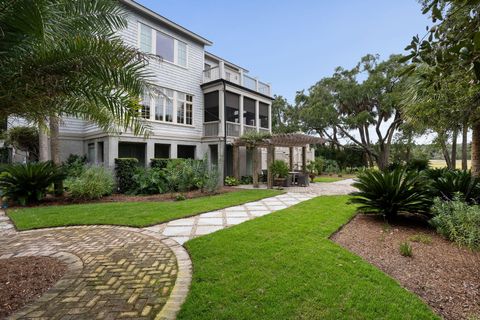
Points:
(279, 171)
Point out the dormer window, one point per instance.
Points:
(163, 45)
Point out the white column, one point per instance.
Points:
(221, 112)
(257, 115)
(270, 117)
(150, 152)
(241, 112)
(173, 150)
(112, 153)
(221, 69)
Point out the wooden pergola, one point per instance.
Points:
(286, 140)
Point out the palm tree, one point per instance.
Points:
(62, 58)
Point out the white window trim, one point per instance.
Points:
(154, 44)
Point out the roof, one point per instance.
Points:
(161, 19)
(284, 140)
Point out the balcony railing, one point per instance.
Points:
(236, 77)
(211, 129)
(233, 129)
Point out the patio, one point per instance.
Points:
(288, 140)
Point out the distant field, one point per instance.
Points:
(442, 164)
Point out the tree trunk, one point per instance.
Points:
(55, 150)
(476, 148)
(255, 167)
(464, 146)
(446, 154)
(42, 143)
(454, 148)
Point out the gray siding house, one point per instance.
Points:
(205, 102)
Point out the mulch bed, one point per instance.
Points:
(444, 275)
(24, 279)
(54, 201)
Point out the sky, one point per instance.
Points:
(293, 44)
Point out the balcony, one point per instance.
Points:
(233, 129)
(237, 77)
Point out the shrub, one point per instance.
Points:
(231, 181)
(148, 181)
(418, 164)
(457, 221)
(180, 197)
(246, 180)
(391, 193)
(212, 184)
(28, 183)
(279, 169)
(125, 169)
(406, 249)
(447, 183)
(158, 163)
(93, 183)
(331, 166)
(179, 176)
(75, 165)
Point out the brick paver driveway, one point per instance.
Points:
(113, 272)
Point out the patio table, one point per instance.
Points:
(294, 175)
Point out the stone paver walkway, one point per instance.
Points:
(117, 272)
(183, 230)
(113, 273)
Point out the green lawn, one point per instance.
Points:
(135, 214)
(328, 179)
(283, 266)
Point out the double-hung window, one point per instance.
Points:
(146, 106)
(162, 45)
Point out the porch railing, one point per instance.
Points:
(211, 129)
(233, 129)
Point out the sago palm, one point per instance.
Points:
(391, 193)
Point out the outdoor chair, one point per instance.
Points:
(303, 180)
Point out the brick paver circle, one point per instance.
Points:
(113, 273)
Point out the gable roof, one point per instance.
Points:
(161, 19)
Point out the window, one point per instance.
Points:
(189, 110)
(133, 150)
(145, 38)
(211, 106)
(100, 152)
(263, 115)
(162, 151)
(185, 152)
(248, 111)
(163, 45)
(159, 107)
(91, 152)
(169, 105)
(166, 105)
(145, 110)
(232, 107)
(182, 53)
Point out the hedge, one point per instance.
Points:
(124, 170)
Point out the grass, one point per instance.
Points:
(442, 164)
(283, 266)
(328, 179)
(134, 214)
(421, 238)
